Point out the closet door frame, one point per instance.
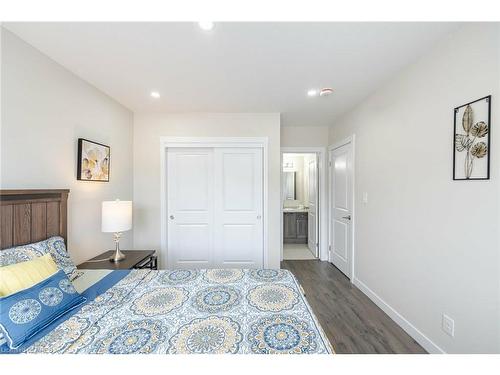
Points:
(210, 142)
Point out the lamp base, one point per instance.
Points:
(118, 255)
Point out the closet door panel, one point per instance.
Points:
(190, 208)
(238, 245)
(238, 181)
(192, 182)
(238, 207)
(190, 245)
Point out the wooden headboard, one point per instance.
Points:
(28, 216)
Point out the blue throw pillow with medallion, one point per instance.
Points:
(24, 313)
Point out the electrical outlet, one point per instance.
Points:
(448, 325)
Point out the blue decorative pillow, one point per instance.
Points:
(53, 245)
(24, 313)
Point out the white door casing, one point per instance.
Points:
(312, 226)
(190, 207)
(238, 202)
(341, 202)
(215, 207)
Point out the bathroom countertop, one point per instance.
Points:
(292, 209)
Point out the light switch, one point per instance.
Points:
(365, 197)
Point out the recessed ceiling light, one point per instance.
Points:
(312, 92)
(155, 94)
(206, 25)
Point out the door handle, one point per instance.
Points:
(172, 217)
(348, 217)
(259, 217)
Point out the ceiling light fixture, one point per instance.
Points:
(206, 25)
(312, 92)
(155, 94)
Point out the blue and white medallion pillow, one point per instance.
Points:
(28, 311)
(53, 245)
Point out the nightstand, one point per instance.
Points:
(138, 259)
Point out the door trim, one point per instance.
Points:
(349, 140)
(323, 211)
(211, 142)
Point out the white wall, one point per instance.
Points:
(148, 128)
(45, 109)
(427, 245)
(304, 136)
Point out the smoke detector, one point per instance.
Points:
(325, 91)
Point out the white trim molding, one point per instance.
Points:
(404, 323)
(237, 142)
(169, 142)
(323, 202)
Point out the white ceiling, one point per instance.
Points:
(237, 67)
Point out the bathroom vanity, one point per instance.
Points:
(295, 225)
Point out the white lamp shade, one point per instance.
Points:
(116, 216)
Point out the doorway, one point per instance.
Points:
(300, 202)
(341, 191)
(214, 202)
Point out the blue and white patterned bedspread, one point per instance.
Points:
(193, 311)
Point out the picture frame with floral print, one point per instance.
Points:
(93, 161)
(471, 140)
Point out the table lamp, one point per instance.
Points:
(116, 218)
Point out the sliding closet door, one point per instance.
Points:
(238, 201)
(190, 208)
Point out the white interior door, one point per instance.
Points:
(341, 191)
(312, 225)
(215, 204)
(238, 208)
(190, 207)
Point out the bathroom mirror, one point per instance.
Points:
(289, 185)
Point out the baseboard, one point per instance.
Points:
(413, 331)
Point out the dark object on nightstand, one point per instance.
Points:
(138, 259)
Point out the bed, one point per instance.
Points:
(245, 311)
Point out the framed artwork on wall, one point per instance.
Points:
(93, 161)
(471, 140)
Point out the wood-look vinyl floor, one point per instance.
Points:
(352, 322)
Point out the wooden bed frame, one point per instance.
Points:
(33, 215)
